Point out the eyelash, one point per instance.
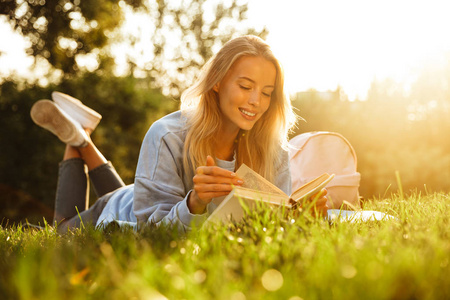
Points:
(248, 88)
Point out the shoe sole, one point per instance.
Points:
(46, 114)
(87, 117)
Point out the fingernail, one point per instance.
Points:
(240, 182)
(233, 174)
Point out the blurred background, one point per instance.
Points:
(377, 72)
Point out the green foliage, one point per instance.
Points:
(29, 155)
(264, 257)
(60, 30)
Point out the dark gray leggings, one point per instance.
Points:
(72, 192)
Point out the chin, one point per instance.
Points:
(246, 127)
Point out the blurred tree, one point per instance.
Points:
(185, 34)
(60, 30)
(26, 156)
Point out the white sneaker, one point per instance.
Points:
(87, 117)
(48, 115)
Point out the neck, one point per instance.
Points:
(224, 151)
(225, 146)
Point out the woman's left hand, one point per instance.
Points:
(320, 206)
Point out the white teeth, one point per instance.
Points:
(247, 113)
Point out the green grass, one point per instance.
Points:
(265, 257)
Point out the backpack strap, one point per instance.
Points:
(300, 141)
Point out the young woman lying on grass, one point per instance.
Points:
(236, 112)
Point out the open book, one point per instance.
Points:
(257, 188)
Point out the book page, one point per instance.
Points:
(253, 180)
(268, 197)
(312, 187)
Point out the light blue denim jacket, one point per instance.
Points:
(161, 186)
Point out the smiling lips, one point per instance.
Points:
(247, 113)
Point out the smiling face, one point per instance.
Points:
(245, 93)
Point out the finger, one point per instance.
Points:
(314, 198)
(206, 188)
(212, 169)
(321, 201)
(205, 197)
(322, 206)
(325, 209)
(210, 161)
(321, 210)
(215, 171)
(319, 194)
(207, 179)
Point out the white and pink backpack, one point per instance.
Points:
(314, 153)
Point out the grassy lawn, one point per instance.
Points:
(265, 257)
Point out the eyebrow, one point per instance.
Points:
(251, 80)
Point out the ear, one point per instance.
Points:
(216, 87)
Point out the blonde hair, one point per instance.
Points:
(259, 147)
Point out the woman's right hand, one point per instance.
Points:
(210, 182)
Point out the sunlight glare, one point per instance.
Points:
(324, 44)
(12, 60)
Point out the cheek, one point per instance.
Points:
(264, 109)
(265, 106)
(229, 97)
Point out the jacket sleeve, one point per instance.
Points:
(160, 194)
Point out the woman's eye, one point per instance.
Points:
(267, 94)
(245, 87)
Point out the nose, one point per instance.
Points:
(255, 98)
